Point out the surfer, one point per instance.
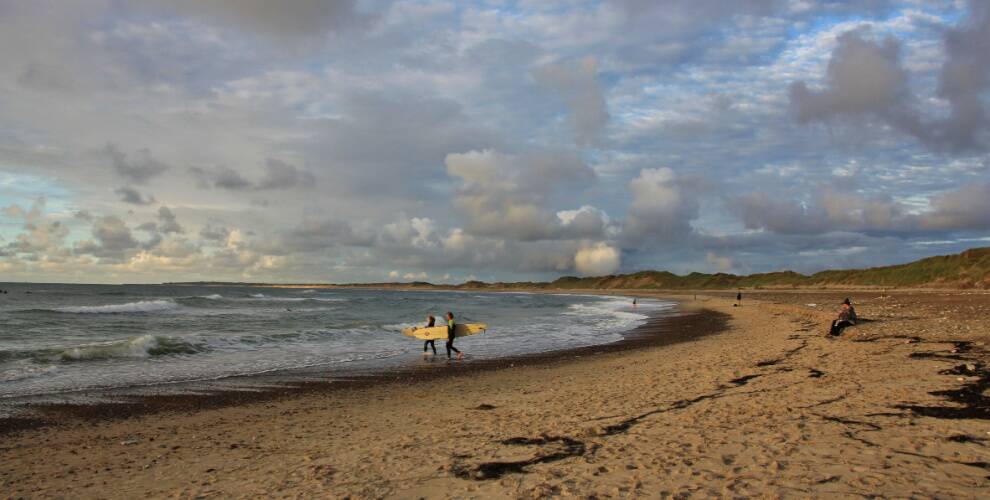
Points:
(451, 325)
(430, 322)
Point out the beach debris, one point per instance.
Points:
(485, 407)
(561, 447)
(741, 381)
(129, 442)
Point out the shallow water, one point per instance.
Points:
(63, 338)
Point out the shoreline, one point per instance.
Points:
(658, 330)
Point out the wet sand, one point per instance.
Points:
(764, 406)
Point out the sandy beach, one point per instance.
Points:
(748, 401)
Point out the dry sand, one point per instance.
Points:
(768, 407)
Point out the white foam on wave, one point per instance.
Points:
(143, 306)
(143, 346)
(259, 296)
(213, 296)
(135, 348)
(617, 310)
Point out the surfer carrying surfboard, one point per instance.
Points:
(451, 326)
(430, 322)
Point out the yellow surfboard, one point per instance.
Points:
(440, 332)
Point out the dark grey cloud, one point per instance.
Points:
(281, 175)
(132, 196)
(278, 175)
(214, 233)
(864, 79)
(964, 80)
(138, 169)
(167, 222)
(220, 178)
(113, 240)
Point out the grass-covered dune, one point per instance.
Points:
(967, 270)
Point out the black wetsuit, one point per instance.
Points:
(430, 343)
(451, 324)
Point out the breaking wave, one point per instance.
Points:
(143, 306)
(139, 347)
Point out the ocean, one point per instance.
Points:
(64, 339)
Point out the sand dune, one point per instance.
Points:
(769, 406)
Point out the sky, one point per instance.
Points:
(370, 141)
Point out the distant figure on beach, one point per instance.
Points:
(847, 317)
(739, 298)
(430, 322)
(634, 302)
(451, 325)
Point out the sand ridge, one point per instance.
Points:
(770, 407)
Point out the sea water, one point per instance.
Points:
(58, 339)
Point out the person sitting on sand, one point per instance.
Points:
(430, 322)
(847, 317)
(451, 325)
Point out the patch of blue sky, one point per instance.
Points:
(24, 189)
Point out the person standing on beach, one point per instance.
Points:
(451, 325)
(739, 298)
(430, 322)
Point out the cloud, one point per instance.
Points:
(964, 79)
(220, 178)
(40, 236)
(114, 240)
(281, 175)
(214, 233)
(866, 79)
(167, 223)
(278, 175)
(292, 20)
(598, 260)
(577, 82)
(587, 222)
(503, 195)
(499, 140)
(139, 169)
(966, 208)
(320, 234)
(827, 210)
(132, 196)
(660, 211)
